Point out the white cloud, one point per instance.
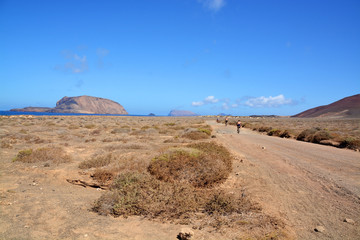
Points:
(101, 53)
(207, 100)
(225, 106)
(75, 63)
(268, 101)
(197, 104)
(211, 99)
(213, 5)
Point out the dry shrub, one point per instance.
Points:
(222, 203)
(54, 154)
(305, 135)
(274, 132)
(133, 162)
(314, 135)
(264, 129)
(97, 161)
(103, 176)
(203, 132)
(350, 143)
(201, 165)
(5, 144)
(96, 132)
(142, 194)
(120, 130)
(285, 134)
(89, 126)
(320, 136)
(90, 140)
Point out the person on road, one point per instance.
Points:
(238, 125)
(226, 121)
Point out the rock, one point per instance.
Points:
(349, 220)
(185, 234)
(263, 147)
(319, 229)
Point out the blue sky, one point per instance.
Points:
(240, 57)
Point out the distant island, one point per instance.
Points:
(80, 104)
(181, 113)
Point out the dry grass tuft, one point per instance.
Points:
(53, 154)
(97, 161)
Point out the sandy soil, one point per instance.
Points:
(303, 184)
(307, 185)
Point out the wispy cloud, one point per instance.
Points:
(207, 100)
(101, 53)
(259, 102)
(74, 63)
(213, 5)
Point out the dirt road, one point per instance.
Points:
(307, 185)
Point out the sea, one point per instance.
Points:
(11, 113)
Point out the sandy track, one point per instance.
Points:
(307, 185)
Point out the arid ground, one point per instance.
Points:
(59, 174)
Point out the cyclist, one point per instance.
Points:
(238, 125)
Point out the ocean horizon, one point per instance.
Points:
(13, 113)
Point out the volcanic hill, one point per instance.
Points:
(348, 107)
(82, 104)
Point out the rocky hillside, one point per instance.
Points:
(181, 113)
(83, 104)
(348, 107)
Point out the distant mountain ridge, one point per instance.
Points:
(80, 104)
(348, 107)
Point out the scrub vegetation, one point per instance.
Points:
(342, 133)
(170, 170)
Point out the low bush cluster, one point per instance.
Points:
(314, 135)
(350, 143)
(203, 132)
(200, 164)
(97, 161)
(142, 194)
(53, 154)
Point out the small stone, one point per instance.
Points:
(319, 229)
(349, 220)
(263, 147)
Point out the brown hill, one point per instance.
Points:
(83, 104)
(348, 107)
